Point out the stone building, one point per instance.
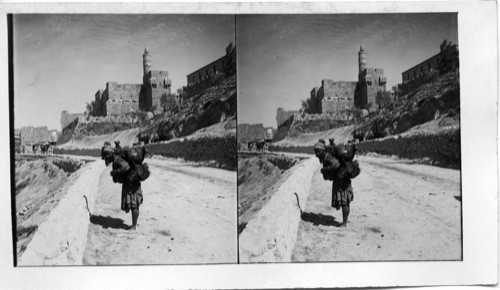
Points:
(333, 97)
(249, 132)
(337, 98)
(34, 135)
(118, 100)
(217, 66)
(446, 52)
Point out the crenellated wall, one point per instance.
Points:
(156, 84)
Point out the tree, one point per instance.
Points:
(304, 104)
(89, 108)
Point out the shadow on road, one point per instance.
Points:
(108, 222)
(319, 219)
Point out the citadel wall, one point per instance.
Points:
(424, 67)
(67, 118)
(122, 98)
(337, 96)
(213, 68)
(282, 116)
(206, 72)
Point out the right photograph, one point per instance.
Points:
(348, 135)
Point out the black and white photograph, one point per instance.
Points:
(249, 145)
(349, 138)
(125, 137)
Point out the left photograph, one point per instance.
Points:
(124, 148)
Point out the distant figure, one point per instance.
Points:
(44, 148)
(35, 148)
(260, 145)
(51, 150)
(332, 147)
(118, 148)
(250, 146)
(23, 149)
(342, 192)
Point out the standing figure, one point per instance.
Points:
(118, 148)
(342, 192)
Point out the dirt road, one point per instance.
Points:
(400, 211)
(188, 217)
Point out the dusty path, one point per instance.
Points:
(400, 212)
(188, 217)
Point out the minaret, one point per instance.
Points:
(362, 60)
(146, 59)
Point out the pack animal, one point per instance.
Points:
(44, 148)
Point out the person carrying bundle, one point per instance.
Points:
(129, 169)
(334, 169)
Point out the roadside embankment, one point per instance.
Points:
(41, 181)
(259, 176)
(61, 238)
(270, 235)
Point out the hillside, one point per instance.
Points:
(214, 105)
(209, 113)
(437, 102)
(431, 109)
(423, 125)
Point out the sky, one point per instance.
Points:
(281, 58)
(61, 61)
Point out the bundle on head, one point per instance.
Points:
(331, 166)
(349, 170)
(134, 155)
(121, 169)
(345, 152)
(139, 172)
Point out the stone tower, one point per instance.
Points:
(361, 61)
(146, 59)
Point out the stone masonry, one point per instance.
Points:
(118, 100)
(333, 97)
(282, 116)
(67, 118)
